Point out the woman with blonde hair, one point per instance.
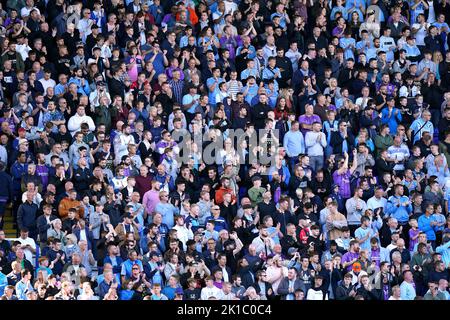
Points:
(40, 280)
(333, 89)
(437, 59)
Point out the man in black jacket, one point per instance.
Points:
(267, 206)
(345, 289)
(26, 215)
(331, 277)
(44, 223)
(6, 191)
(318, 39)
(285, 66)
(259, 112)
(116, 86)
(338, 138)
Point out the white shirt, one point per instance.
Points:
(374, 203)
(25, 11)
(230, 6)
(83, 235)
(50, 83)
(75, 121)
(23, 49)
(37, 199)
(206, 293)
(27, 252)
(421, 33)
(316, 295)
(225, 274)
(184, 234)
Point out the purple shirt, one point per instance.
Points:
(349, 256)
(304, 119)
(375, 256)
(412, 243)
(343, 181)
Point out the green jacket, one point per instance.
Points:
(439, 296)
(256, 195)
(383, 142)
(105, 114)
(418, 260)
(20, 65)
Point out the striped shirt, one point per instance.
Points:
(233, 87)
(177, 88)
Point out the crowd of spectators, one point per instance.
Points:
(108, 109)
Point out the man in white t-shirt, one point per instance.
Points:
(28, 244)
(419, 30)
(29, 5)
(210, 291)
(47, 81)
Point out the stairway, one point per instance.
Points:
(8, 223)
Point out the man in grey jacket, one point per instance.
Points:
(289, 285)
(356, 207)
(97, 220)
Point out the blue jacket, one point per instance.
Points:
(3, 283)
(425, 226)
(444, 250)
(6, 187)
(400, 213)
(286, 173)
(119, 261)
(17, 171)
(392, 120)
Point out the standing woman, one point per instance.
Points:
(355, 24)
(147, 146)
(134, 63)
(282, 110)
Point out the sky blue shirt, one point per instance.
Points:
(187, 99)
(348, 44)
(252, 92)
(361, 233)
(212, 94)
(400, 213)
(167, 211)
(425, 226)
(418, 124)
(251, 52)
(294, 143)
